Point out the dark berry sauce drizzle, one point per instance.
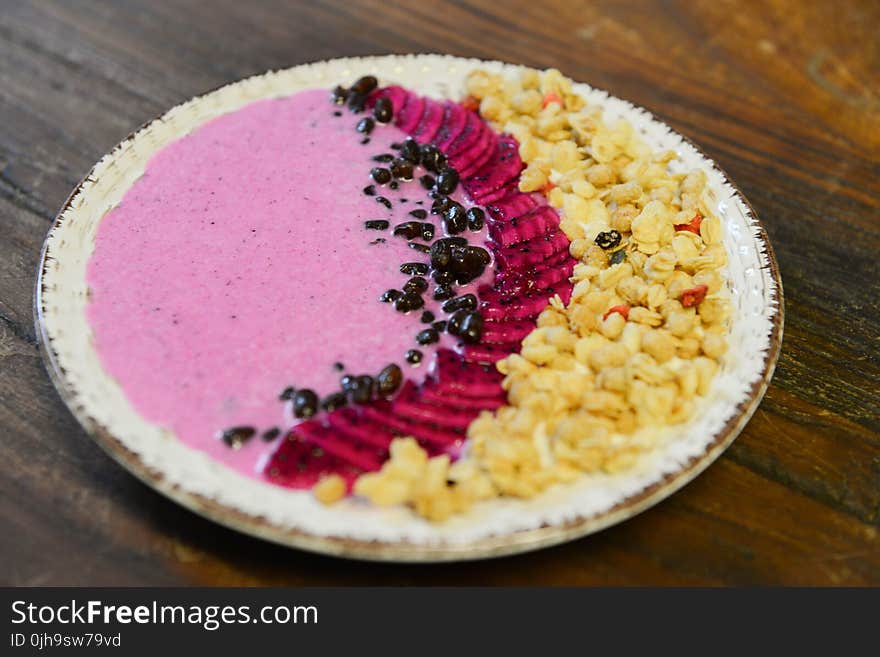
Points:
(349, 431)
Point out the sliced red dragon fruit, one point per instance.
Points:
(474, 128)
(517, 282)
(531, 252)
(536, 223)
(512, 330)
(349, 422)
(469, 161)
(454, 120)
(453, 376)
(488, 354)
(365, 457)
(297, 464)
(490, 182)
(510, 206)
(432, 120)
(494, 308)
(431, 392)
(397, 96)
(410, 114)
(410, 405)
(447, 439)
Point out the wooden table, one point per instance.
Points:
(785, 95)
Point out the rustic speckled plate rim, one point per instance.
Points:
(403, 551)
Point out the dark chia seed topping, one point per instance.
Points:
(305, 403)
(380, 175)
(376, 224)
(389, 380)
(235, 437)
(383, 111)
(414, 268)
(413, 356)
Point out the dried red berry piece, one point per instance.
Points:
(622, 310)
(693, 225)
(694, 296)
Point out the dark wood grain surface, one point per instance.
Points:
(784, 94)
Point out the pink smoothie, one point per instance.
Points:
(238, 264)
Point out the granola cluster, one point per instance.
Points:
(641, 337)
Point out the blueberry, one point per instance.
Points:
(383, 110)
(414, 268)
(468, 325)
(389, 380)
(447, 181)
(442, 292)
(402, 169)
(408, 229)
(416, 285)
(475, 219)
(464, 302)
(428, 336)
(365, 85)
(237, 436)
(390, 295)
(380, 175)
(432, 159)
(455, 219)
(334, 401)
(305, 403)
(339, 95)
(409, 301)
(362, 391)
(410, 151)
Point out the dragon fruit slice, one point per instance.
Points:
(470, 134)
(496, 333)
(469, 161)
(411, 113)
(531, 252)
(513, 205)
(297, 464)
(432, 120)
(444, 438)
(454, 120)
(489, 183)
(408, 404)
(496, 308)
(488, 354)
(453, 376)
(533, 224)
(435, 394)
(397, 96)
(517, 282)
(349, 422)
(361, 456)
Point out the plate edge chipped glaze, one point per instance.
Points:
(519, 540)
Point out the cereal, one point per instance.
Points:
(641, 337)
(330, 489)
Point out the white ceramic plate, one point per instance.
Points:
(351, 528)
